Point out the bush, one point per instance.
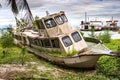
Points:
(81, 33)
(105, 38)
(88, 39)
(92, 34)
(6, 41)
(107, 65)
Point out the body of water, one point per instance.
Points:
(114, 34)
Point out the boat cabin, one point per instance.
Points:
(53, 25)
(85, 26)
(97, 25)
(54, 33)
(112, 23)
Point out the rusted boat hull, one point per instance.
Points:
(80, 61)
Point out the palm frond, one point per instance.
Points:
(0, 5)
(18, 5)
(27, 8)
(13, 6)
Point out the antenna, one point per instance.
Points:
(112, 18)
(47, 13)
(85, 17)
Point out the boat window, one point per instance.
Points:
(76, 36)
(67, 41)
(30, 40)
(17, 37)
(47, 43)
(40, 24)
(55, 43)
(59, 20)
(36, 41)
(24, 40)
(42, 43)
(64, 18)
(33, 41)
(50, 23)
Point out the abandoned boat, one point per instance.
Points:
(54, 34)
(111, 25)
(96, 25)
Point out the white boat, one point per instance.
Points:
(96, 25)
(54, 34)
(111, 25)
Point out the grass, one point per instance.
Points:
(110, 66)
(56, 53)
(113, 45)
(14, 56)
(106, 69)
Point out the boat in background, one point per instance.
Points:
(111, 25)
(54, 34)
(96, 25)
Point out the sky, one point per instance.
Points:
(75, 10)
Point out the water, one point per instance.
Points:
(114, 34)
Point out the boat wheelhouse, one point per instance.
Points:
(54, 33)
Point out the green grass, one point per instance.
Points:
(56, 53)
(110, 66)
(113, 45)
(107, 67)
(14, 56)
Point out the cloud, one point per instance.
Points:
(74, 9)
(76, 6)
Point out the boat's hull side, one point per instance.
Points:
(74, 62)
(82, 61)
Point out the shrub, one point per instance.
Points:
(92, 34)
(6, 41)
(105, 37)
(88, 39)
(107, 65)
(81, 33)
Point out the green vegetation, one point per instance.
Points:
(113, 45)
(105, 37)
(14, 56)
(57, 53)
(6, 41)
(92, 34)
(90, 39)
(108, 68)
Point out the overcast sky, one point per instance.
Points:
(74, 9)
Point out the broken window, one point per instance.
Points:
(50, 23)
(55, 43)
(59, 20)
(67, 41)
(76, 36)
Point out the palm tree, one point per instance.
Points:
(0, 5)
(18, 5)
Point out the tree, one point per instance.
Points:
(18, 5)
(6, 40)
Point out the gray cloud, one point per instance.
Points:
(75, 9)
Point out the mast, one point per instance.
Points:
(47, 13)
(112, 18)
(85, 17)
